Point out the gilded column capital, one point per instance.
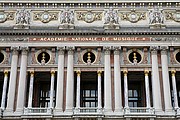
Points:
(173, 72)
(146, 72)
(6, 73)
(32, 72)
(125, 72)
(78, 72)
(99, 72)
(52, 72)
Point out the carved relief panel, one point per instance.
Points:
(88, 56)
(43, 56)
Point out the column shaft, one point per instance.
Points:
(22, 82)
(60, 80)
(166, 85)
(148, 105)
(155, 82)
(107, 81)
(12, 82)
(78, 89)
(31, 84)
(125, 89)
(70, 82)
(99, 90)
(3, 99)
(173, 72)
(52, 89)
(117, 82)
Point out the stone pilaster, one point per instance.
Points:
(107, 80)
(165, 76)
(22, 81)
(12, 82)
(155, 80)
(60, 81)
(117, 80)
(70, 82)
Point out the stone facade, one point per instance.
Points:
(89, 60)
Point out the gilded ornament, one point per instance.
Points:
(4, 16)
(133, 16)
(173, 16)
(45, 16)
(89, 16)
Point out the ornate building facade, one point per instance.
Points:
(89, 60)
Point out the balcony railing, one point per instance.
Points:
(88, 110)
(38, 111)
(139, 110)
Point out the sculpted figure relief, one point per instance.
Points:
(111, 16)
(23, 17)
(156, 16)
(67, 16)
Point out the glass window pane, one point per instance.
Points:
(87, 93)
(135, 104)
(130, 93)
(130, 104)
(93, 93)
(135, 93)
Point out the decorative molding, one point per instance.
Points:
(154, 48)
(133, 16)
(156, 18)
(89, 16)
(45, 16)
(173, 15)
(23, 17)
(6, 15)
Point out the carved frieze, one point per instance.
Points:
(4, 16)
(111, 16)
(45, 16)
(133, 16)
(89, 16)
(173, 15)
(23, 17)
(67, 17)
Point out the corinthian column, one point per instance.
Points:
(99, 90)
(107, 80)
(60, 81)
(125, 89)
(173, 72)
(148, 105)
(165, 76)
(31, 84)
(155, 80)
(3, 99)
(22, 81)
(12, 82)
(70, 81)
(117, 80)
(78, 89)
(52, 89)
